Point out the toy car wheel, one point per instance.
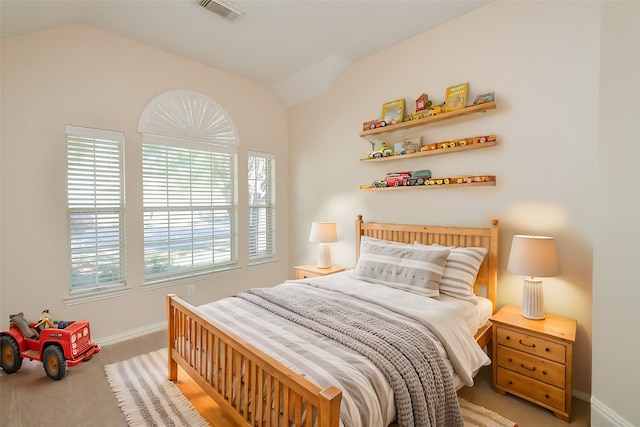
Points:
(55, 365)
(10, 355)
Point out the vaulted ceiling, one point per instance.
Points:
(296, 47)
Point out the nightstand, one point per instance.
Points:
(533, 359)
(312, 270)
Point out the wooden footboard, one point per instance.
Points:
(251, 387)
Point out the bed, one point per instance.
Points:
(244, 371)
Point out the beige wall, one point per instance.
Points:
(615, 286)
(541, 58)
(542, 61)
(82, 76)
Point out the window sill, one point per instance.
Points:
(83, 297)
(165, 283)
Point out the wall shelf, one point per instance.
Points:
(438, 151)
(431, 119)
(490, 182)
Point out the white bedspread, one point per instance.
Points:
(328, 363)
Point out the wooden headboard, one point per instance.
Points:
(446, 236)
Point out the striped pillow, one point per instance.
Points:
(401, 266)
(460, 270)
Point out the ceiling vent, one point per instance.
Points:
(222, 8)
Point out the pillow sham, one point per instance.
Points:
(401, 266)
(460, 270)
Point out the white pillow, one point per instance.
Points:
(460, 270)
(401, 266)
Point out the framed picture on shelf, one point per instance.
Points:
(393, 112)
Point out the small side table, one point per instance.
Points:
(533, 359)
(312, 270)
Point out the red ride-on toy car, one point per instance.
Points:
(57, 348)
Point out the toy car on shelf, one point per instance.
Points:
(435, 110)
(379, 183)
(483, 139)
(383, 151)
(420, 177)
(486, 97)
(373, 124)
(417, 115)
(439, 181)
(56, 348)
(397, 179)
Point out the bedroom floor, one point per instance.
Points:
(83, 397)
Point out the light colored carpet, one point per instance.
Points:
(147, 398)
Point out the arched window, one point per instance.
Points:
(189, 166)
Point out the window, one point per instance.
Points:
(95, 195)
(189, 182)
(262, 207)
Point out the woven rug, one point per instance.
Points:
(145, 395)
(147, 398)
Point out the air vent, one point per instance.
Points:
(222, 8)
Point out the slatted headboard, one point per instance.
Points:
(442, 235)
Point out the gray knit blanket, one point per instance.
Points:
(422, 386)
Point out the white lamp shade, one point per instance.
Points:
(323, 232)
(533, 256)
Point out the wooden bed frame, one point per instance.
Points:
(195, 340)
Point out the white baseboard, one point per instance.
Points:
(603, 416)
(134, 333)
(581, 395)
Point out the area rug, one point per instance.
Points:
(147, 398)
(477, 416)
(145, 395)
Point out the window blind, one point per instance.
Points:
(95, 196)
(262, 207)
(189, 199)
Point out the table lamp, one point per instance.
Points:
(533, 256)
(323, 233)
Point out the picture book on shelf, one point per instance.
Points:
(456, 97)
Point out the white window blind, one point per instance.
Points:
(95, 195)
(189, 211)
(189, 167)
(262, 207)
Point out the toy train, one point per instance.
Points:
(458, 143)
(423, 177)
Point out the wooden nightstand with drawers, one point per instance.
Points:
(533, 359)
(312, 270)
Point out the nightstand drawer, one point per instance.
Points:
(532, 366)
(531, 344)
(528, 387)
(300, 274)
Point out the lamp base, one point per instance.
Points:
(532, 299)
(324, 255)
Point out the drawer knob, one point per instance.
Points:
(510, 382)
(528, 345)
(547, 349)
(508, 337)
(510, 360)
(532, 369)
(546, 395)
(544, 372)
